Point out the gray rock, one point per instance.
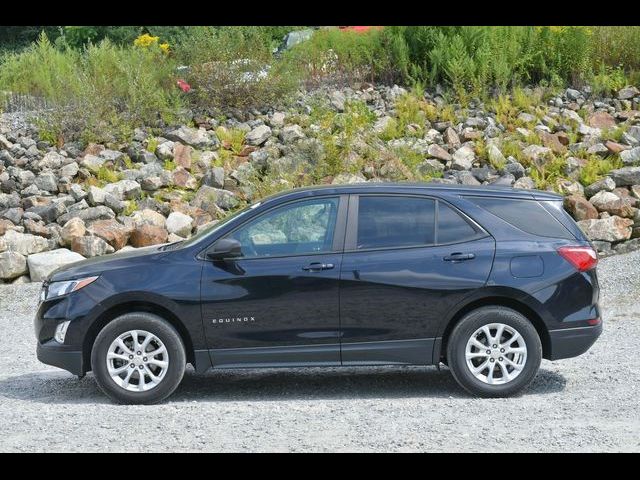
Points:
(430, 167)
(438, 152)
(12, 265)
(14, 215)
(348, 178)
(149, 217)
(124, 189)
(69, 170)
(96, 195)
(90, 246)
(258, 135)
(337, 99)
(526, 183)
(604, 184)
(77, 192)
(630, 157)
(196, 137)
(92, 162)
(610, 229)
(51, 161)
(495, 155)
(573, 94)
(626, 176)
(628, 93)
(291, 133)
(535, 153)
(527, 117)
(214, 177)
(212, 199)
(25, 243)
(43, 264)
(463, 158)
(88, 215)
(516, 169)
(151, 183)
(165, 151)
(180, 224)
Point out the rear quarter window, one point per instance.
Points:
(526, 215)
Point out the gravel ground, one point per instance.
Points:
(589, 403)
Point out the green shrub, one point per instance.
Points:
(234, 67)
(596, 168)
(99, 93)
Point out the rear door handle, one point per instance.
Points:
(317, 266)
(459, 257)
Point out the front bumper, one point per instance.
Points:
(571, 342)
(52, 353)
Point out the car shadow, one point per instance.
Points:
(54, 387)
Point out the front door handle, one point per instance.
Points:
(317, 266)
(459, 257)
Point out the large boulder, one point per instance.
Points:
(42, 264)
(211, 199)
(580, 208)
(626, 176)
(12, 265)
(90, 246)
(147, 234)
(630, 157)
(88, 215)
(463, 158)
(614, 205)
(609, 229)
(291, 133)
(179, 224)
(114, 233)
(74, 228)
(25, 243)
(149, 217)
(601, 120)
(196, 137)
(258, 135)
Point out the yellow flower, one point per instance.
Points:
(164, 47)
(145, 41)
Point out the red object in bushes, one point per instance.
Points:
(184, 86)
(359, 29)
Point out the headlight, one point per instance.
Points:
(57, 289)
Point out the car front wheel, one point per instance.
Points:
(494, 352)
(138, 358)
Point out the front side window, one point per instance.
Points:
(394, 221)
(298, 228)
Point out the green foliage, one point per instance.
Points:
(234, 67)
(131, 208)
(546, 174)
(596, 168)
(608, 80)
(342, 56)
(169, 165)
(231, 138)
(152, 145)
(99, 93)
(108, 175)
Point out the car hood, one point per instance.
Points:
(97, 265)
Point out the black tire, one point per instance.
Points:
(154, 325)
(463, 331)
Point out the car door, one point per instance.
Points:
(408, 260)
(277, 304)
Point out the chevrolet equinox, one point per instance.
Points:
(486, 280)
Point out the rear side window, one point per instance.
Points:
(385, 222)
(452, 228)
(527, 215)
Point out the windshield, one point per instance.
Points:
(212, 228)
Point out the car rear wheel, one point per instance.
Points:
(494, 352)
(138, 358)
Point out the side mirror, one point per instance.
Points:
(225, 248)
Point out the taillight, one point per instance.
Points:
(583, 258)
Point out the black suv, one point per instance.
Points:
(485, 280)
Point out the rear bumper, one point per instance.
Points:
(571, 342)
(52, 353)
